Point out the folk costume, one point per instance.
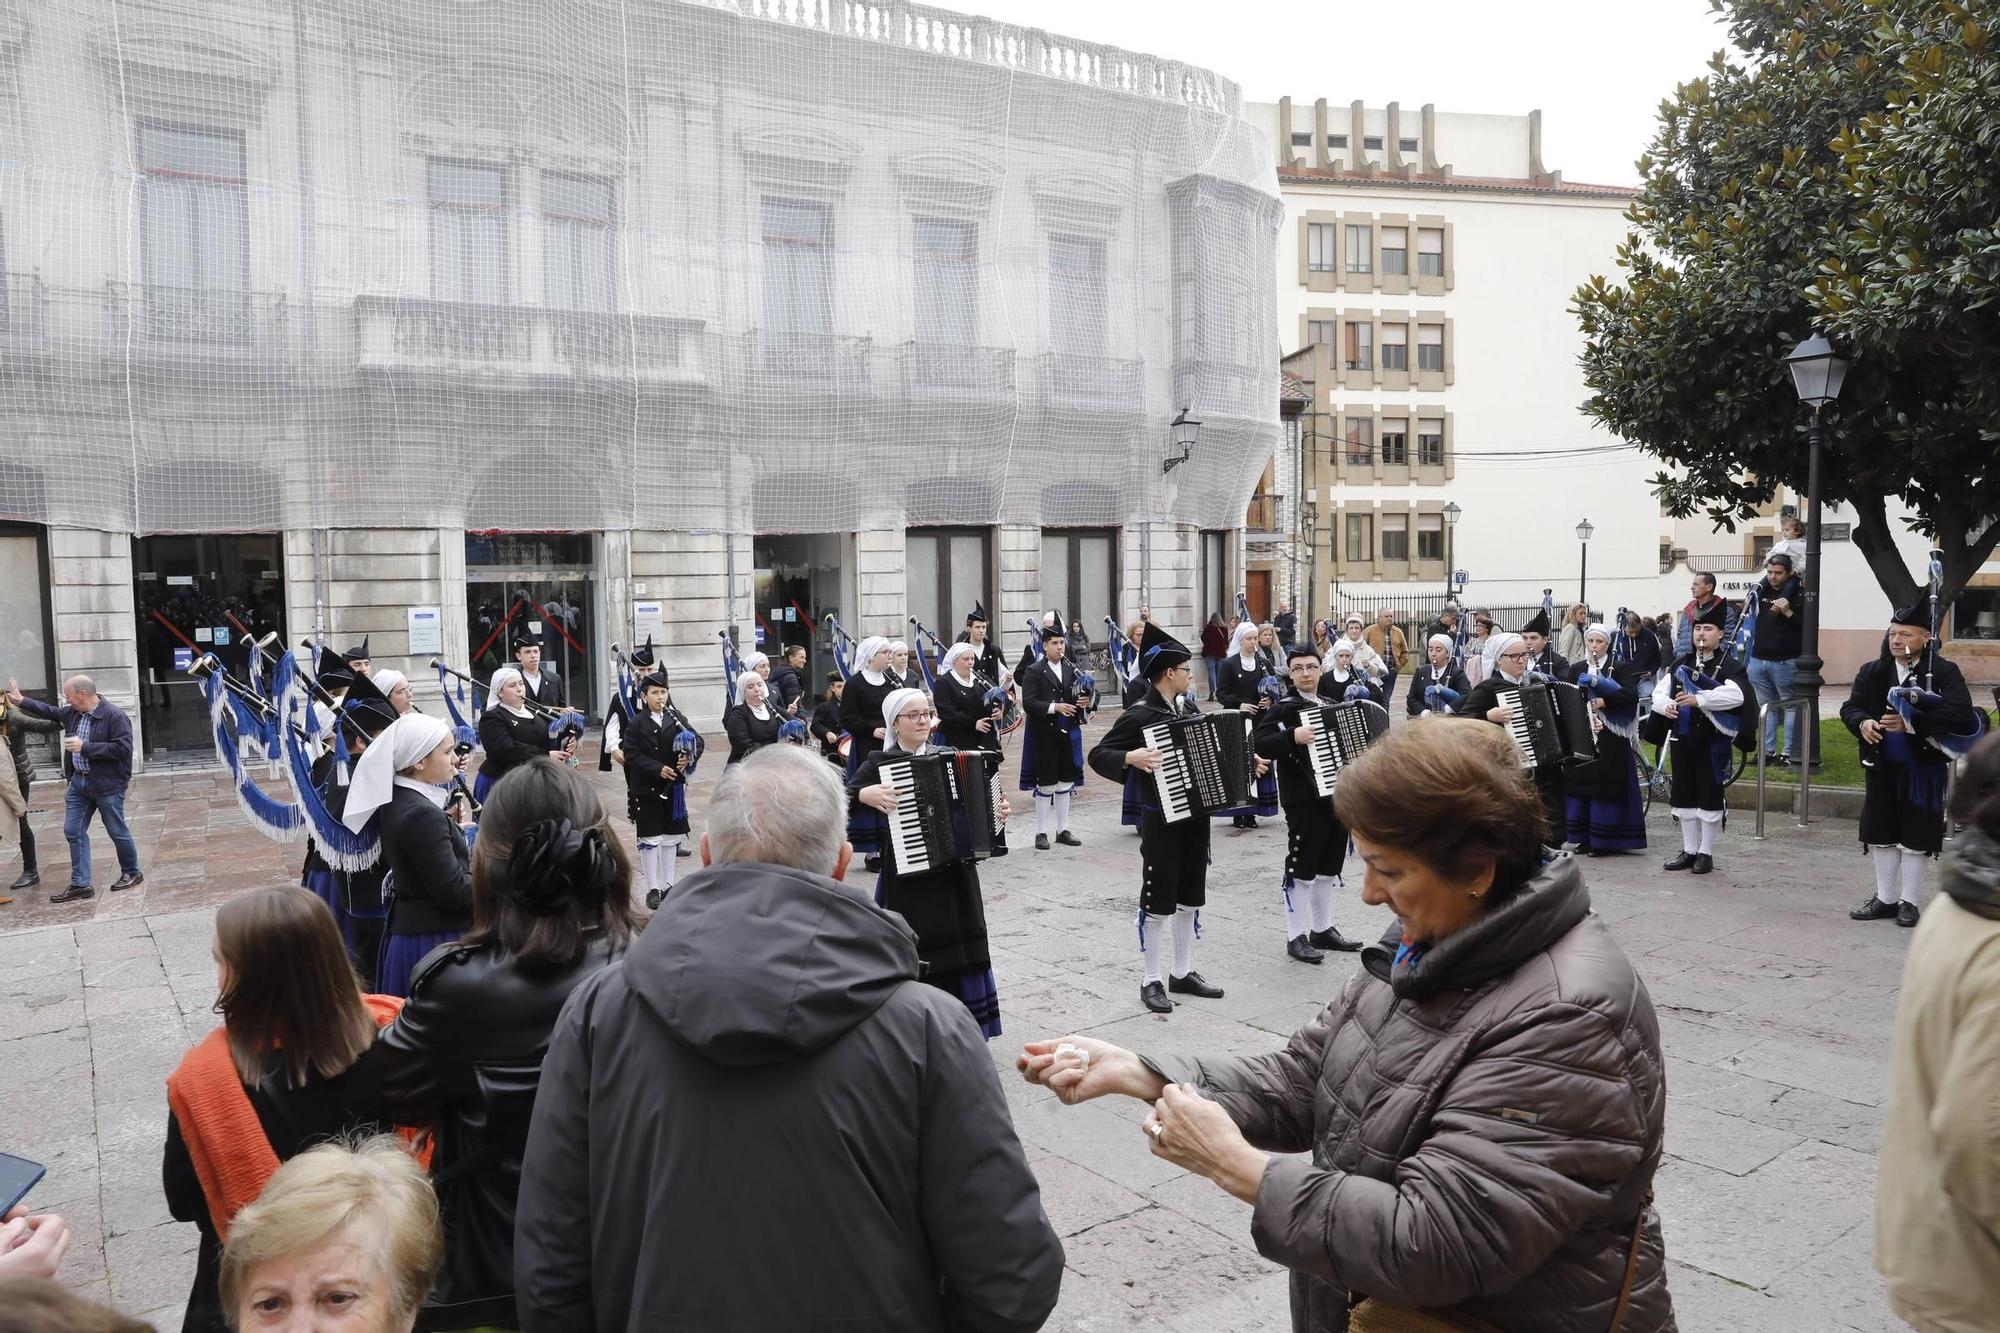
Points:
(429, 884)
(509, 736)
(1241, 681)
(1316, 840)
(361, 909)
(335, 678)
(961, 701)
(656, 786)
(988, 662)
(1605, 812)
(1904, 777)
(861, 713)
(1052, 744)
(1433, 691)
(1549, 662)
(826, 724)
(1173, 857)
(944, 906)
(750, 729)
(1724, 715)
(544, 686)
(1483, 698)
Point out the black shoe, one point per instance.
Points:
(1906, 913)
(1238, 822)
(1194, 984)
(1041, 842)
(1068, 839)
(1154, 996)
(1249, 821)
(1874, 909)
(654, 897)
(1332, 939)
(75, 893)
(1703, 864)
(28, 880)
(1298, 947)
(682, 852)
(1682, 862)
(871, 863)
(131, 881)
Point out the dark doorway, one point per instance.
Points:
(195, 595)
(799, 583)
(539, 586)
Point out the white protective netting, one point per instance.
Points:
(763, 266)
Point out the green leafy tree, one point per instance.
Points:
(1838, 169)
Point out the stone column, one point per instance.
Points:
(90, 598)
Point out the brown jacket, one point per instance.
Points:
(1392, 647)
(1484, 1125)
(1937, 1197)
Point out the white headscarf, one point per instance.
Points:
(1497, 643)
(505, 676)
(1338, 670)
(865, 654)
(897, 701)
(402, 743)
(958, 650)
(1598, 629)
(1444, 639)
(1247, 630)
(755, 660)
(387, 680)
(743, 685)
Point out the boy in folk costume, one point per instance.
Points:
(659, 751)
(1912, 714)
(1316, 841)
(1051, 751)
(1706, 705)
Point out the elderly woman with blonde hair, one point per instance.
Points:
(1466, 1137)
(341, 1235)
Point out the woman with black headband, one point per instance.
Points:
(551, 907)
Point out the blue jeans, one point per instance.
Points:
(1214, 674)
(1773, 682)
(77, 810)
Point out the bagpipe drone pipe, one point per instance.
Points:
(236, 713)
(339, 846)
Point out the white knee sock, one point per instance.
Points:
(1184, 941)
(649, 864)
(1888, 885)
(1062, 811)
(1153, 942)
(1043, 806)
(1709, 828)
(666, 854)
(1296, 897)
(1690, 833)
(1915, 868)
(1322, 901)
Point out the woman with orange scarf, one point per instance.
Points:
(292, 1065)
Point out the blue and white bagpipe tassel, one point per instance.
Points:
(732, 667)
(1724, 722)
(1271, 689)
(339, 846)
(462, 731)
(1440, 699)
(280, 821)
(264, 727)
(1035, 637)
(686, 745)
(1744, 640)
(1620, 716)
(1124, 653)
(843, 649)
(1357, 690)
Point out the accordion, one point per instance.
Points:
(947, 808)
(1550, 723)
(1206, 764)
(1340, 733)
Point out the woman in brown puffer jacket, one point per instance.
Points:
(1484, 1102)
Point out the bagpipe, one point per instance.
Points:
(236, 713)
(565, 723)
(1440, 699)
(1912, 701)
(1123, 652)
(1542, 660)
(922, 635)
(1619, 715)
(340, 847)
(843, 646)
(1745, 636)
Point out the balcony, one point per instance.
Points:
(1265, 516)
(397, 334)
(947, 370)
(1090, 382)
(809, 362)
(211, 325)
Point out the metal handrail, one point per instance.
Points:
(1805, 732)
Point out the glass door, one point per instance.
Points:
(552, 611)
(799, 581)
(196, 595)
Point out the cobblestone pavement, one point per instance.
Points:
(1776, 1012)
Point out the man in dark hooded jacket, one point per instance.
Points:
(762, 1120)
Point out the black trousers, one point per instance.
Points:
(1316, 841)
(1175, 859)
(28, 863)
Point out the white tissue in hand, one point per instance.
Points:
(1082, 1056)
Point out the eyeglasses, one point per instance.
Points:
(1514, 657)
(908, 715)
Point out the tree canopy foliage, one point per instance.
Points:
(1838, 169)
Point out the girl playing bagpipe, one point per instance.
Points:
(660, 750)
(1606, 812)
(1438, 684)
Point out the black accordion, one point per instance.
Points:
(1550, 723)
(947, 808)
(1206, 764)
(1340, 733)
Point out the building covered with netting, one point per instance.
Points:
(442, 322)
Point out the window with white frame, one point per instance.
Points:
(1430, 347)
(470, 257)
(579, 242)
(1395, 347)
(1360, 538)
(1319, 332)
(194, 232)
(1395, 536)
(1361, 441)
(798, 266)
(1360, 344)
(1430, 251)
(1319, 247)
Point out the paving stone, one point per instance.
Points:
(1756, 1227)
(152, 1265)
(1841, 1280)
(1170, 1262)
(1077, 1198)
(1725, 1142)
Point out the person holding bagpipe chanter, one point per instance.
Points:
(943, 906)
(1702, 706)
(1605, 812)
(826, 725)
(512, 732)
(966, 711)
(861, 712)
(1057, 698)
(354, 897)
(1437, 684)
(751, 722)
(659, 751)
(1241, 688)
(1912, 714)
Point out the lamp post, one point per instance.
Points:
(1583, 535)
(1451, 513)
(1817, 374)
(1185, 430)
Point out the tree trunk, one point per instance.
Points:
(1878, 547)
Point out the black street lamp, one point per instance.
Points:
(1185, 431)
(1583, 535)
(1451, 513)
(1817, 373)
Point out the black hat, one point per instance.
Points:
(1159, 651)
(1917, 613)
(1301, 650)
(1539, 625)
(367, 707)
(642, 656)
(1056, 631)
(1717, 615)
(977, 613)
(835, 678)
(331, 670)
(359, 654)
(652, 679)
(525, 640)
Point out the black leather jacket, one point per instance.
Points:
(15, 724)
(465, 1058)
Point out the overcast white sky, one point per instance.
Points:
(1596, 68)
